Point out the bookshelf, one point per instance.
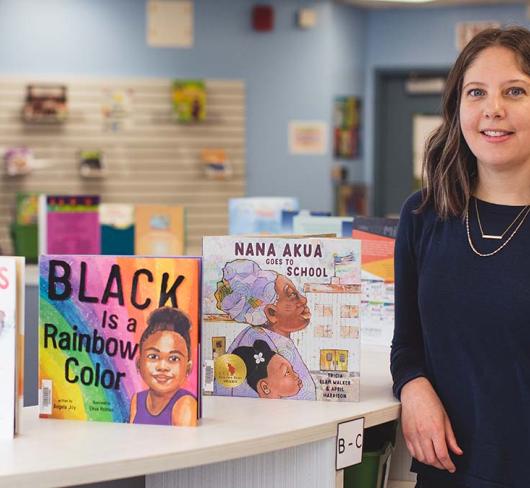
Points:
(238, 437)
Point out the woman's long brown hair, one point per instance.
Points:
(449, 170)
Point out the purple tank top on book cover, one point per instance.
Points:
(164, 417)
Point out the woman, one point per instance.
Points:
(461, 349)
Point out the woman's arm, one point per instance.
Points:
(426, 427)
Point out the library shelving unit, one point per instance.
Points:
(241, 442)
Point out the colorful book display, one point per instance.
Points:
(160, 230)
(378, 237)
(281, 317)
(119, 339)
(189, 100)
(117, 228)
(25, 230)
(258, 215)
(11, 344)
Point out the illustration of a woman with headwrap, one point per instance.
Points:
(274, 308)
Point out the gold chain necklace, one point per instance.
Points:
(527, 208)
(491, 236)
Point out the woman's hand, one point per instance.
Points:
(426, 427)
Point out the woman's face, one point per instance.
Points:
(281, 378)
(290, 311)
(163, 361)
(495, 110)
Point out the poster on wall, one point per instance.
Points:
(346, 130)
(422, 127)
(307, 137)
(170, 23)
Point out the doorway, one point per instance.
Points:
(400, 96)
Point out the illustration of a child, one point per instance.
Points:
(164, 363)
(273, 308)
(268, 373)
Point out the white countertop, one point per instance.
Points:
(61, 452)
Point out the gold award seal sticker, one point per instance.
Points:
(230, 370)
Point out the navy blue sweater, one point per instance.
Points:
(463, 321)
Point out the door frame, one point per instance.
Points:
(379, 77)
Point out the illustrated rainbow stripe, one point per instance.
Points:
(75, 315)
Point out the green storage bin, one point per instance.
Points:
(372, 472)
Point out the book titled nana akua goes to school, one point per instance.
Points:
(281, 317)
(119, 339)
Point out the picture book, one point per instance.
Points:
(313, 224)
(11, 344)
(45, 103)
(117, 228)
(91, 164)
(69, 224)
(119, 339)
(25, 229)
(377, 236)
(347, 116)
(160, 230)
(189, 100)
(18, 161)
(289, 215)
(258, 215)
(281, 317)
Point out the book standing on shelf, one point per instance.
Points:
(160, 230)
(69, 224)
(24, 230)
(281, 317)
(258, 215)
(117, 228)
(378, 237)
(119, 339)
(11, 344)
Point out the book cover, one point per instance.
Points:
(258, 215)
(69, 224)
(189, 100)
(281, 317)
(45, 103)
(11, 344)
(25, 229)
(289, 215)
(119, 339)
(160, 230)
(378, 237)
(312, 224)
(117, 228)
(347, 127)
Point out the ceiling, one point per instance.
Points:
(434, 3)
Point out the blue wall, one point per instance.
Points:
(419, 38)
(289, 73)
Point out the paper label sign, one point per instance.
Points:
(350, 436)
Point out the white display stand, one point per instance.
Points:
(242, 442)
